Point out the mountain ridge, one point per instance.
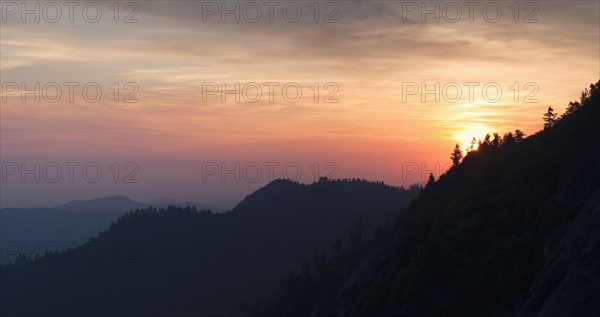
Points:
(480, 241)
(200, 253)
(120, 203)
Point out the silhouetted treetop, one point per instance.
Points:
(456, 155)
(549, 118)
(507, 232)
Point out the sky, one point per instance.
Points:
(209, 101)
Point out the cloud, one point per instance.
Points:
(368, 53)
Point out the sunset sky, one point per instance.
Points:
(373, 50)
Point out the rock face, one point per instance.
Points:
(568, 284)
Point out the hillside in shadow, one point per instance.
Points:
(34, 231)
(184, 261)
(512, 230)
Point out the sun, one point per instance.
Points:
(464, 136)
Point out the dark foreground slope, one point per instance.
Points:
(181, 261)
(512, 231)
(569, 282)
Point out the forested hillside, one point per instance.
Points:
(181, 261)
(511, 230)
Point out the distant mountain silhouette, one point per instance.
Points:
(116, 203)
(34, 231)
(120, 203)
(181, 261)
(513, 230)
(37, 230)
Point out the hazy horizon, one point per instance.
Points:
(433, 158)
(367, 120)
